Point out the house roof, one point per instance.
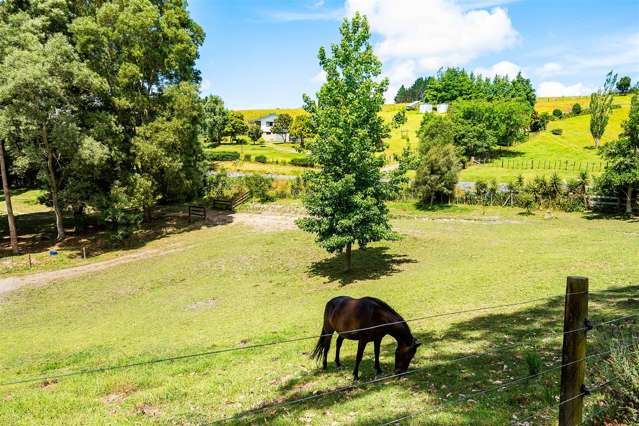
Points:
(269, 117)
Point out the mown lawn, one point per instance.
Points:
(239, 284)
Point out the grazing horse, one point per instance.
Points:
(344, 314)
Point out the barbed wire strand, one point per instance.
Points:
(502, 386)
(349, 387)
(557, 405)
(278, 342)
(220, 351)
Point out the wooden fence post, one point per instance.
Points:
(573, 351)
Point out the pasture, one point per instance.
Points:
(253, 278)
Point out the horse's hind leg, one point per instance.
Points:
(327, 347)
(338, 346)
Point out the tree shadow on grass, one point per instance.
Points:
(616, 216)
(368, 264)
(37, 233)
(465, 384)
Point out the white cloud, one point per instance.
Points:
(555, 89)
(430, 34)
(503, 68)
(319, 78)
(549, 68)
(205, 87)
(289, 16)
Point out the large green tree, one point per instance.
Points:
(281, 125)
(345, 200)
(600, 108)
(301, 128)
(45, 87)
(622, 167)
(623, 85)
(437, 172)
(215, 118)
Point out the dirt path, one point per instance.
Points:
(40, 278)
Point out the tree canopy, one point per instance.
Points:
(345, 200)
(456, 83)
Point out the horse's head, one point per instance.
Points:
(404, 355)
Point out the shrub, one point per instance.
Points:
(533, 360)
(243, 140)
(247, 157)
(303, 162)
(576, 109)
(260, 158)
(538, 121)
(223, 156)
(620, 403)
(526, 201)
(556, 131)
(259, 187)
(557, 113)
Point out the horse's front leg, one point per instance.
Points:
(360, 353)
(378, 344)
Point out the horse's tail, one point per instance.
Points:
(324, 342)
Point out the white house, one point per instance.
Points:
(423, 108)
(443, 108)
(413, 105)
(266, 124)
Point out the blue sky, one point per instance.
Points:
(263, 54)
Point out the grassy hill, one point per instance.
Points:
(574, 145)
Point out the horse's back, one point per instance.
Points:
(345, 313)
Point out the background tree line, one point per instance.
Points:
(456, 83)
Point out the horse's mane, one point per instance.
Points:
(385, 305)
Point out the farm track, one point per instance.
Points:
(41, 278)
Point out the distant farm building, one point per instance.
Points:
(443, 108)
(423, 108)
(413, 105)
(266, 124)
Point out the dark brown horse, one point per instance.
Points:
(344, 314)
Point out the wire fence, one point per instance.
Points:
(595, 326)
(274, 343)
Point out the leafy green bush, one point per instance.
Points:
(260, 158)
(247, 157)
(223, 156)
(220, 186)
(620, 403)
(259, 187)
(576, 109)
(534, 362)
(556, 131)
(557, 113)
(303, 162)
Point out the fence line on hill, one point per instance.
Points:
(277, 342)
(559, 165)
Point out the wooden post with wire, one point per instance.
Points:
(574, 352)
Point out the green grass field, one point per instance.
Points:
(255, 280)
(575, 144)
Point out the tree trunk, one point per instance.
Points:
(349, 257)
(629, 200)
(147, 214)
(53, 184)
(302, 142)
(7, 200)
(597, 141)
